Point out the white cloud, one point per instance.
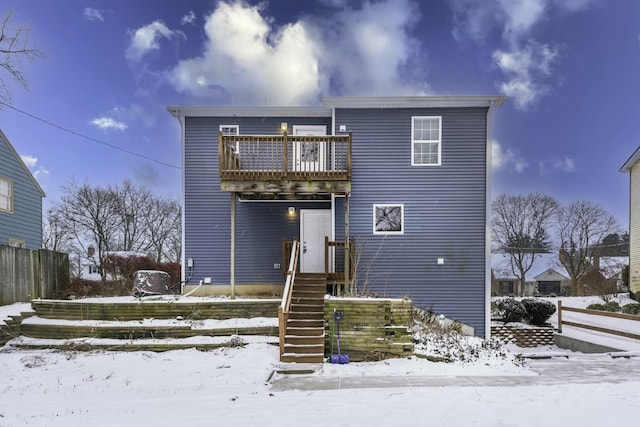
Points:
(108, 123)
(29, 160)
(40, 173)
(525, 63)
(92, 14)
(189, 18)
(249, 60)
(506, 159)
(565, 164)
(146, 39)
(525, 69)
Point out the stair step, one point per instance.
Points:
(302, 358)
(306, 315)
(306, 332)
(309, 308)
(316, 292)
(303, 340)
(304, 348)
(305, 323)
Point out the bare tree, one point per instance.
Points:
(15, 46)
(581, 225)
(131, 204)
(520, 227)
(125, 217)
(91, 217)
(163, 228)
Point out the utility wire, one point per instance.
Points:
(115, 147)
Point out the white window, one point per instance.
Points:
(6, 195)
(230, 129)
(388, 219)
(426, 140)
(93, 269)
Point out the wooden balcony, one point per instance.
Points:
(285, 166)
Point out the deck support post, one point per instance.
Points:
(347, 247)
(233, 246)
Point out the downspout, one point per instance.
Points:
(233, 245)
(487, 256)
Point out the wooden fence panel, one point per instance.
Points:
(26, 274)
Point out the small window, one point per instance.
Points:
(6, 195)
(229, 130)
(17, 243)
(93, 269)
(426, 139)
(388, 219)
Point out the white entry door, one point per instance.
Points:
(307, 155)
(314, 225)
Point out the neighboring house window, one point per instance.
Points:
(506, 287)
(6, 195)
(17, 243)
(426, 140)
(388, 219)
(93, 269)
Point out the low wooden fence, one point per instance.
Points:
(26, 274)
(593, 327)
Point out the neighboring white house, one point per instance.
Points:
(632, 165)
(90, 268)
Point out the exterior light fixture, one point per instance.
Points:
(284, 127)
(291, 210)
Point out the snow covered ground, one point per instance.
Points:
(242, 386)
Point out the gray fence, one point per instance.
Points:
(26, 274)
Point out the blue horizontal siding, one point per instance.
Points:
(260, 226)
(445, 210)
(25, 222)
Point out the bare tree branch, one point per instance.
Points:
(15, 45)
(581, 225)
(520, 229)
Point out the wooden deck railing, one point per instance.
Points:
(285, 305)
(333, 250)
(279, 157)
(593, 327)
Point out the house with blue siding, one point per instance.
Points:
(20, 201)
(387, 196)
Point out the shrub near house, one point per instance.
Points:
(533, 311)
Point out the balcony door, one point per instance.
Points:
(308, 156)
(315, 224)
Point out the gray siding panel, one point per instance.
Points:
(445, 209)
(25, 222)
(260, 226)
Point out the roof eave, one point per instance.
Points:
(24, 166)
(413, 101)
(635, 157)
(247, 111)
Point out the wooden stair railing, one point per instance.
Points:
(285, 305)
(301, 314)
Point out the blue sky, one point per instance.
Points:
(571, 70)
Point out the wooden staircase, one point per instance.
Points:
(304, 336)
